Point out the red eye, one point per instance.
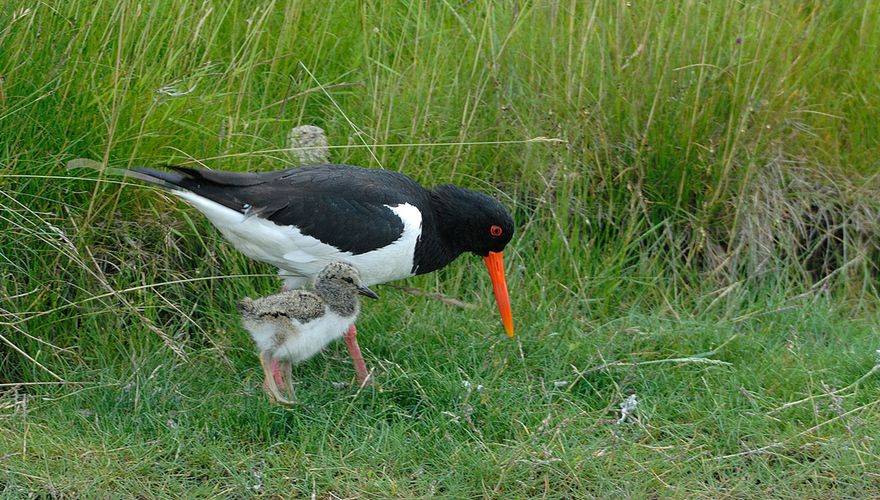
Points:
(495, 230)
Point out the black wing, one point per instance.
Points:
(340, 205)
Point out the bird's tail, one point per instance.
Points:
(163, 178)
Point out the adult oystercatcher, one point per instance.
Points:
(292, 326)
(380, 221)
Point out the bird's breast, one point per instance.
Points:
(314, 336)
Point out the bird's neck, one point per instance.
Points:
(440, 242)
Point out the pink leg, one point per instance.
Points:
(269, 383)
(277, 374)
(274, 365)
(360, 367)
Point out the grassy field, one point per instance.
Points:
(698, 207)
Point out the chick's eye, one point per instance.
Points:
(495, 230)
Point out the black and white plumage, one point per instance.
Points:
(381, 221)
(292, 326)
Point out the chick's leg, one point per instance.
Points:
(360, 368)
(270, 367)
(278, 373)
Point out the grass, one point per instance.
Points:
(501, 420)
(698, 228)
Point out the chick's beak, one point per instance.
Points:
(495, 264)
(366, 291)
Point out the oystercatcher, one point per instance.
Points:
(292, 326)
(382, 222)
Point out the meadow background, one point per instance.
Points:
(695, 186)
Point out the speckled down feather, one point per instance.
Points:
(295, 325)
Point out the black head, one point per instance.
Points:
(472, 221)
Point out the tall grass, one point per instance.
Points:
(697, 161)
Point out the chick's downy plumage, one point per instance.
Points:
(292, 326)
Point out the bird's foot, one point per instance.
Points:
(275, 396)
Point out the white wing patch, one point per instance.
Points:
(300, 255)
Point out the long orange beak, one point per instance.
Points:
(495, 264)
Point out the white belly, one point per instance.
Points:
(302, 341)
(313, 337)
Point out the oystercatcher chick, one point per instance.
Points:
(382, 222)
(290, 327)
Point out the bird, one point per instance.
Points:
(381, 221)
(292, 326)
